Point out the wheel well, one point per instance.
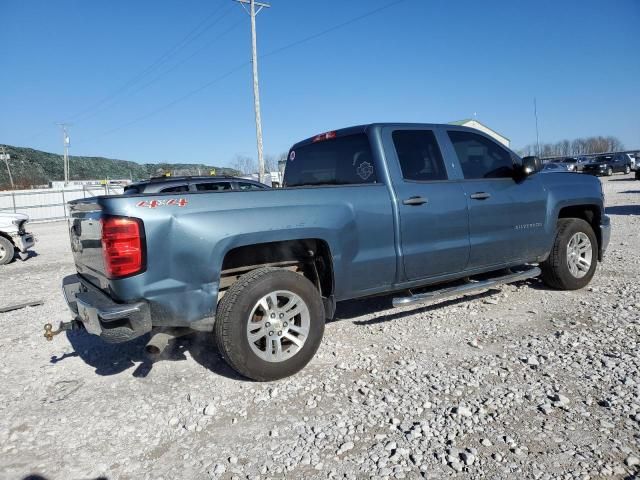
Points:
(308, 257)
(588, 213)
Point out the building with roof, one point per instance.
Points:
(473, 123)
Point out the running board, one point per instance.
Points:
(469, 287)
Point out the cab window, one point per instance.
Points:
(177, 188)
(213, 187)
(480, 157)
(419, 155)
(249, 186)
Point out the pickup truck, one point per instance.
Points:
(421, 211)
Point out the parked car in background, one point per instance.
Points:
(556, 167)
(192, 184)
(608, 165)
(575, 164)
(633, 161)
(13, 237)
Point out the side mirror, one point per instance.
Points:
(531, 165)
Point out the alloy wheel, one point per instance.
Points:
(278, 326)
(579, 254)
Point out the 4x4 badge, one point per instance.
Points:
(172, 202)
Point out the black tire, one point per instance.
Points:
(555, 270)
(7, 251)
(627, 169)
(233, 315)
(609, 171)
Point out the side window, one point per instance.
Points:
(480, 157)
(177, 188)
(249, 186)
(331, 160)
(213, 186)
(419, 155)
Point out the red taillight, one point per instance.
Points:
(122, 246)
(324, 136)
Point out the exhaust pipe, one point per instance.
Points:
(161, 338)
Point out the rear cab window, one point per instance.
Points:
(331, 160)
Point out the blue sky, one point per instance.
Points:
(122, 71)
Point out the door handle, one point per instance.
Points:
(480, 195)
(415, 201)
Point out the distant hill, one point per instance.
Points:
(34, 167)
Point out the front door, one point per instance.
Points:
(434, 225)
(506, 218)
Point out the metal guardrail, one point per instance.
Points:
(48, 204)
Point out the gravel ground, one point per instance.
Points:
(521, 382)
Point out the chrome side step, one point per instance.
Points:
(469, 287)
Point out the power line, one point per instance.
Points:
(164, 72)
(193, 34)
(332, 29)
(241, 66)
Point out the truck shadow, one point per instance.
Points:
(112, 359)
(357, 308)
(40, 477)
(623, 210)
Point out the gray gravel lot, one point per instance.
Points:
(523, 382)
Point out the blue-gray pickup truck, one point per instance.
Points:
(421, 211)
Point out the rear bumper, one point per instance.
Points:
(100, 315)
(605, 235)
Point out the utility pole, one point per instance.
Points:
(5, 156)
(254, 61)
(65, 142)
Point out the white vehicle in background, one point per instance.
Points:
(634, 161)
(13, 237)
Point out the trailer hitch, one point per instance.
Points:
(49, 333)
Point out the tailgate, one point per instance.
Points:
(85, 233)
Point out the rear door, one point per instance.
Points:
(506, 218)
(432, 207)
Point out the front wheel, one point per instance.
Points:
(7, 251)
(269, 324)
(609, 171)
(573, 258)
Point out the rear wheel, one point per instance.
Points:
(574, 256)
(269, 324)
(7, 251)
(627, 169)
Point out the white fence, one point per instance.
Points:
(44, 205)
